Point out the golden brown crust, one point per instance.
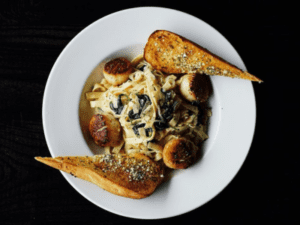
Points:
(118, 66)
(128, 176)
(105, 130)
(179, 154)
(195, 87)
(200, 86)
(172, 53)
(117, 71)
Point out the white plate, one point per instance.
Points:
(125, 32)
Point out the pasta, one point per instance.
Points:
(149, 109)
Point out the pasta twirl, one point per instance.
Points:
(150, 110)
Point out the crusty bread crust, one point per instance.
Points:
(128, 176)
(174, 54)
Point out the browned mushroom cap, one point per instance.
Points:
(179, 154)
(117, 71)
(105, 130)
(195, 87)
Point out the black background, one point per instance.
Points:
(32, 35)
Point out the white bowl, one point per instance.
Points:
(65, 110)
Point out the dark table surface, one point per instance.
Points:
(32, 35)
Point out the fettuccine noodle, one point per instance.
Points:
(151, 110)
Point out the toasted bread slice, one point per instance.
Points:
(174, 54)
(134, 176)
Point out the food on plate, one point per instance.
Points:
(152, 110)
(105, 130)
(117, 71)
(195, 87)
(179, 153)
(147, 118)
(173, 54)
(145, 125)
(133, 176)
(150, 114)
